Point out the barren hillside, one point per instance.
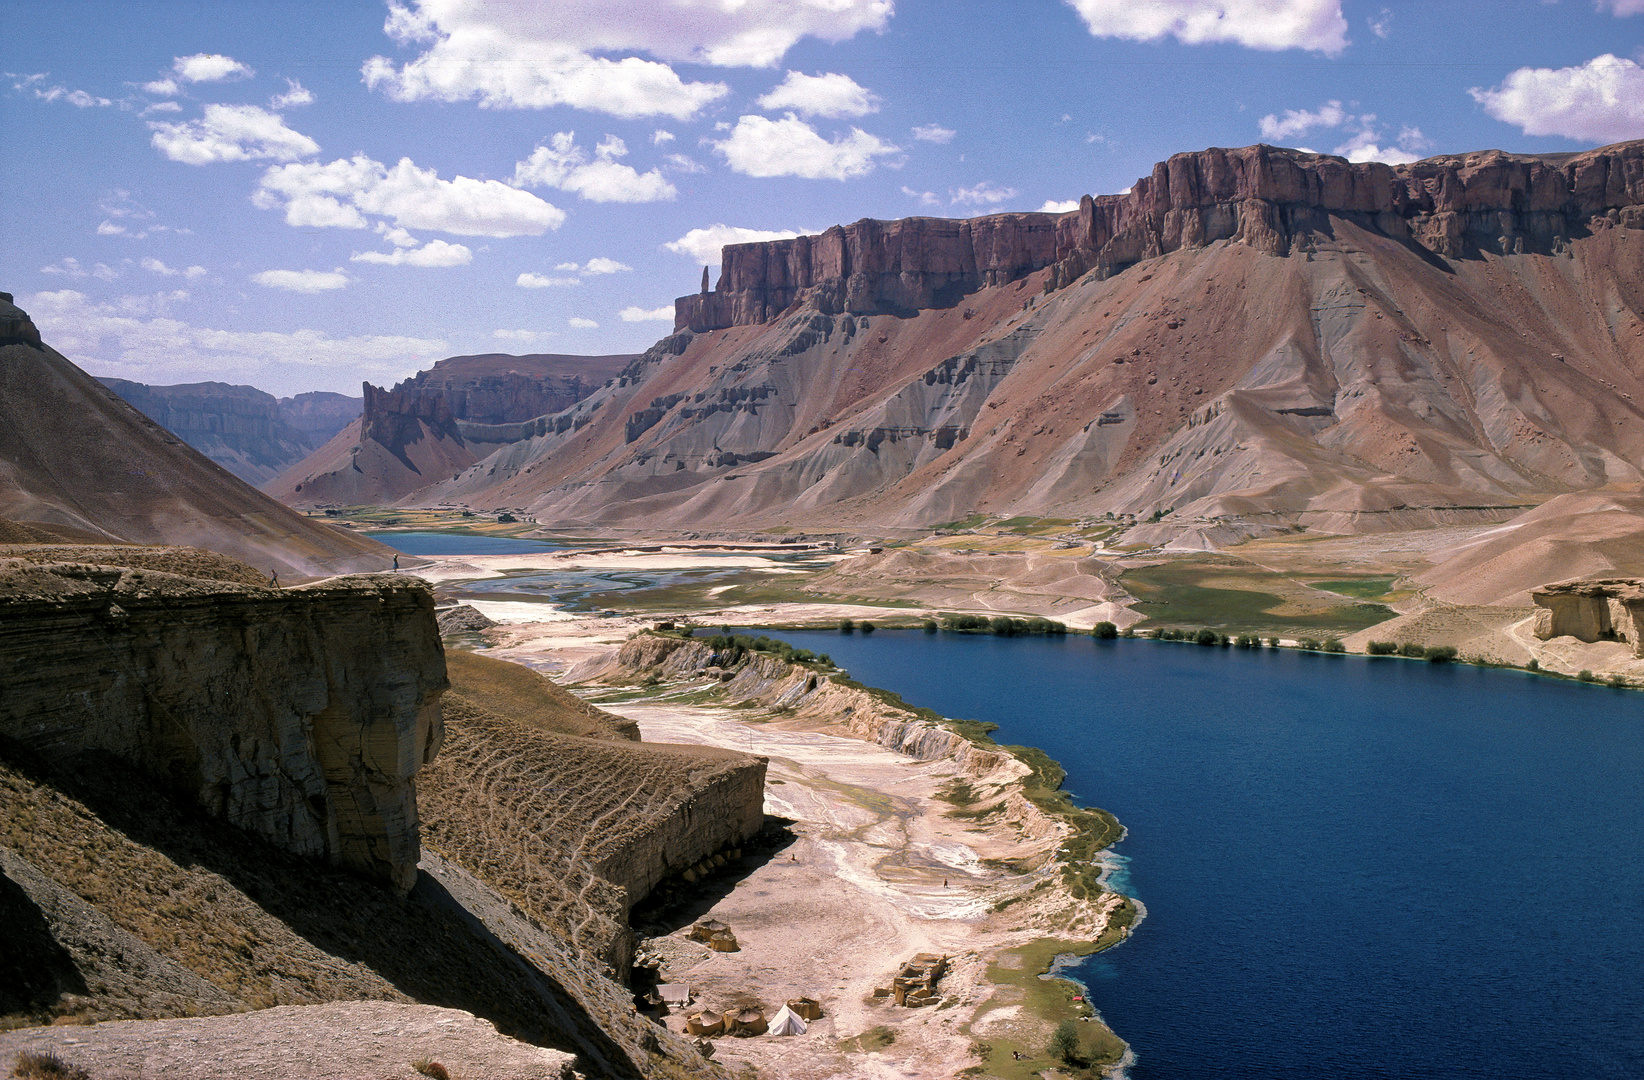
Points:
(78, 461)
(1249, 340)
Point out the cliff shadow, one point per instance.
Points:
(428, 951)
(677, 904)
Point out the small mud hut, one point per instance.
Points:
(705, 1023)
(805, 1008)
(748, 1022)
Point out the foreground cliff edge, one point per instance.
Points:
(211, 805)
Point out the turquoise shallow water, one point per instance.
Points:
(442, 543)
(1351, 867)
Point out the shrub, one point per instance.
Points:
(506, 519)
(965, 624)
(1381, 648)
(1129, 632)
(1441, 654)
(846, 626)
(1334, 645)
(1533, 665)
(1309, 644)
(47, 1066)
(1584, 675)
(1272, 643)
(1207, 637)
(825, 660)
(1616, 681)
(1412, 650)
(865, 626)
(929, 625)
(1104, 631)
(1064, 1043)
(1247, 641)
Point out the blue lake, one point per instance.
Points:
(443, 543)
(1351, 867)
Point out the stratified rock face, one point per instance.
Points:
(239, 427)
(73, 455)
(438, 423)
(301, 715)
(1455, 206)
(1249, 341)
(319, 414)
(1592, 610)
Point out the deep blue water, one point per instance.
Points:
(442, 543)
(1351, 867)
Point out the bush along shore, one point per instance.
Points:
(1016, 788)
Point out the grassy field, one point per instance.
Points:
(1233, 595)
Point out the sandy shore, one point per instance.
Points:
(880, 870)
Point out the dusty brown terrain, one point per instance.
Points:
(345, 1040)
(73, 455)
(1250, 340)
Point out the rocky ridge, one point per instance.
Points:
(438, 422)
(301, 715)
(1248, 342)
(245, 430)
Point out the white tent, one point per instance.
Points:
(787, 1022)
(674, 994)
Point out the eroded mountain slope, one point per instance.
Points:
(1249, 340)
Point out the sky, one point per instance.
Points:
(304, 194)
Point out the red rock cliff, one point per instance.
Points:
(1270, 198)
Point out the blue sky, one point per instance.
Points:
(300, 195)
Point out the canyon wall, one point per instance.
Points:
(246, 431)
(1268, 197)
(301, 715)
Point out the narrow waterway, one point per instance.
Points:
(1352, 867)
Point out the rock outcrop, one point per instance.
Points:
(301, 715)
(1247, 342)
(1268, 197)
(241, 428)
(1605, 609)
(438, 423)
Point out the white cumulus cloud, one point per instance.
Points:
(340, 195)
(525, 337)
(1601, 101)
(155, 266)
(1620, 8)
(433, 253)
(231, 133)
(830, 95)
(162, 88)
(983, 194)
(135, 338)
(511, 56)
(1256, 24)
(934, 133)
(926, 198)
(1298, 122)
(601, 178)
(302, 281)
(635, 313)
(1064, 206)
(70, 267)
(704, 245)
(542, 281)
(790, 147)
(582, 324)
(209, 67)
(295, 94)
(1364, 142)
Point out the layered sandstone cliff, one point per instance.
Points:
(301, 715)
(438, 423)
(1455, 206)
(1247, 342)
(243, 429)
